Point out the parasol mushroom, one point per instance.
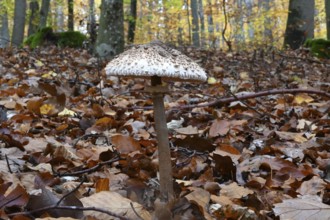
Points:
(158, 61)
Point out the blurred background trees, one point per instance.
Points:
(199, 23)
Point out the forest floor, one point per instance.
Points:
(74, 143)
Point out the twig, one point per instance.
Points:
(255, 95)
(246, 104)
(8, 165)
(89, 170)
(225, 27)
(10, 200)
(69, 208)
(69, 193)
(238, 98)
(137, 214)
(90, 135)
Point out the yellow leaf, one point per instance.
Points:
(301, 98)
(49, 75)
(211, 80)
(244, 75)
(46, 109)
(66, 112)
(38, 63)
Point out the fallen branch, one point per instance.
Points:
(89, 170)
(68, 208)
(237, 98)
(258, 94)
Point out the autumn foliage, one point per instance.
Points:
(75, 144)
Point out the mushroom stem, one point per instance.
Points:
(164, 153)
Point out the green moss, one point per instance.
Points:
(319, 47)
(71, 39)
(63, 39)
(37, 39)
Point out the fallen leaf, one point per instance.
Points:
(291, 136)
(115, 203)
(301, 98)
(234, 191)
(202, 198)
(125, 144)
(303, 208)
(312, 187)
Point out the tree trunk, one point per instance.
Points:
(110, 39)
(327, 12)
(33, 20)
(132, 22)
(44, 13)
(268, 34)
(19, 22)
(4, 31)
(180, 32)
(249, 8)
(70, 15)
(201, 19)
(300, 24)
(239, 24)
(195, 24)
(59, 18)
(188, 19)
(210, 24)
(91, 25)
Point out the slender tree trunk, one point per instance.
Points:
(249, 8)
(188, 20)
(91, 25)
(19, 22)
(327, 12)
(195, 24)
(300, 24)
(239, 32)
(210, 24)
(70, 15)
(150, 33)
(110, 39)
(201, 19)
(44, 13)
(4, 30)
(224, 38)
(166, 31)
(33, 20)
(132, 22)
(59, 17)
(180, 32)
(268, 34)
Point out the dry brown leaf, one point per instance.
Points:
(102, 184)
(312, 187)
(125, 144)
(291, 136)
(202, 198)
(303, 208)
(190, 130)
(222, 200)
(234, 191)
(219, 127)
(115, 203)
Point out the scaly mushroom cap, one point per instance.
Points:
(157, 59)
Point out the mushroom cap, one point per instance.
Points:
(155, 59)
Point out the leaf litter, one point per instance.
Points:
(72, 137)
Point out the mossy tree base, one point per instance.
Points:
(46, 35)
(319, 47)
